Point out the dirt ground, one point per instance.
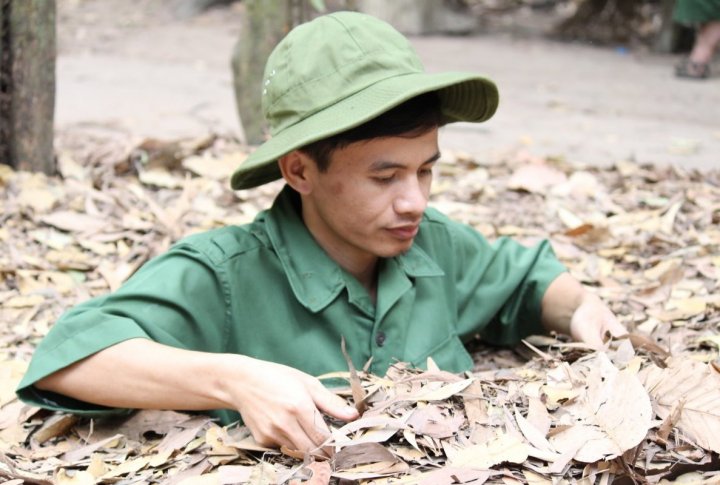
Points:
(141, 68)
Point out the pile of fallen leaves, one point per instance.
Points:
(646, 408)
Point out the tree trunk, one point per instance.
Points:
(264, 24)
(27, 84)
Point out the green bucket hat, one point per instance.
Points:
(339, 71)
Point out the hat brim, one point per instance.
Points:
(463, 97)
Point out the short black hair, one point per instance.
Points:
(412, 118)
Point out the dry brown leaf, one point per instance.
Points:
(319, 471)
(208, 479)
(698, 387)
(387, 425)
(373, 470)
(433, 421)
(358, 392)
(533, 435)
(213, 167)
(538, 415)
(179, 437)
(24, 301)
(219, 441)
(41, 200)
(128, 467)
(505, 448)
(75, 222)
(74, 477)
(532, 478)
(446, 476)
(11, 372)
(263, 474)
(667, 223)
(535, 177)
(13, 473)
(475, 407)
(437, 391)
(612, 415)
(670, 422)
(681, 309)
(87, 450)
(15, 412)
(572, 221)
(642, 342)
(362, 454)
(56, 426)
(231, 474)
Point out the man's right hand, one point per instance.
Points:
(282, 406)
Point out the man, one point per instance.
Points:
(240, 319)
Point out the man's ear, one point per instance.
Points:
(296, 168)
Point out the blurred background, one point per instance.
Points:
(587, 81)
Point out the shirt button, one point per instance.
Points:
(380, 339)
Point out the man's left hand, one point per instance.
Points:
(593, 322)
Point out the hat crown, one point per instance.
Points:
(329, 59)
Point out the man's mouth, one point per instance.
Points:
(404, 232)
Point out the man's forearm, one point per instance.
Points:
(569, 308)
(140, 373)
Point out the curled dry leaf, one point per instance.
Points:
(358, 392)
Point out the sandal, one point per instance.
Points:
(692, 70)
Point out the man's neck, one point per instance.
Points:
(369, 279)
(365, 270)
(364, 267)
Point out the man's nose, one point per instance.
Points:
(412, 199)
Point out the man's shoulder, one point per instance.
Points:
(434, 216)
(438, 226)
(436, 221)
(225, 243)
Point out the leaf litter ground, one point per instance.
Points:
(644, 409)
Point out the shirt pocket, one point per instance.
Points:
(449, 355)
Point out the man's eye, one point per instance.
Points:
(384, 180)
(425, 172)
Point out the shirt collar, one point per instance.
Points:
(316, 279)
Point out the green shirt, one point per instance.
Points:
(267, 290)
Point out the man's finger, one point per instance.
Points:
(331, 404)
(296, 437)
(317, 431)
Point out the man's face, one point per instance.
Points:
(370, 201)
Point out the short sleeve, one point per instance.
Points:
(501, 286)
(178, 299)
